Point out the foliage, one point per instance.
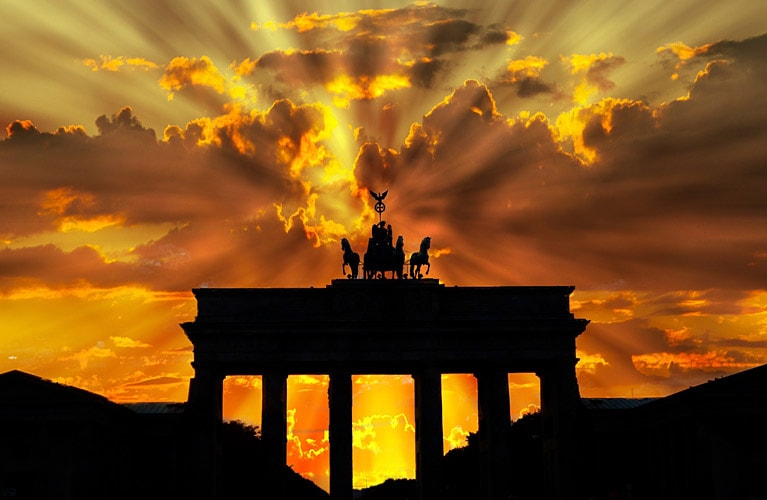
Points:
(246, 471)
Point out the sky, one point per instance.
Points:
(152, 147)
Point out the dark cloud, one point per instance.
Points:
(423, 72)
(307, 68)
(374, 167)
(216, 181)
(531, 86)
(749, 51)
(598, 72)
(50, 266)
(416, 41)
(123, 122)
(21, 129)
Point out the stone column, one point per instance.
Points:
(560, 398)
(274, 433)
(428, 434)
(340, 435)
(205, 403)
(494, 423)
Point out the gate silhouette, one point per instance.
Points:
(417, 327)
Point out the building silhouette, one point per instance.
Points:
(707, 442)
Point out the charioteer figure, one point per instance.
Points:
(381, 255)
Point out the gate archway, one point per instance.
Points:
(418, 327)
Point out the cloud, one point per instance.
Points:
(124, 124)
(589, 362)
(365, 431)
(88, 356)
(593, 70)
(19, 129)
(110, 63)
(664, 364)
(525, 76)
(361, 56)
(457, 437)
(128, 343)
(186, 71)
(681, 55)
(158, 381)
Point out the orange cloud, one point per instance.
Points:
(58, 201)
(191, 71)
(605, 306)
(589, 362)
(343, 21)
(529, 67)
(128, 343)
(593, 69)
(525, 76)
(662, 364)
(86, 356)
(755, 302)
(457, 438)
(590, 128)
(20, 128)
(73, 209)
(347, 89)
(110, 63)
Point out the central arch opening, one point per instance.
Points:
(383, 429)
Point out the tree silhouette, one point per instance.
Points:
(246, 473)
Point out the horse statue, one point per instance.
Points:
(351, 258)
(420, 258)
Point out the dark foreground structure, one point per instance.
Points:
(417, 327)
(708, 442)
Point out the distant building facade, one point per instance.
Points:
(706, 442)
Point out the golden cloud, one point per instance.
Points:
(457, 437)
(586, 127)
(71, 208)
(190, 71)
(530, 409)
(346, 88)
(662, 364)
(343, 21)
(593, 70)
(683, 53)
(128, 343)
(529, 67)
(58, 201)
(364, 431)
(589, 363)
(86, 356)
(110, 63)
(308, 449)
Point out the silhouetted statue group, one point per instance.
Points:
(382, 257)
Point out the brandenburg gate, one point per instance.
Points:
(390, 326)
